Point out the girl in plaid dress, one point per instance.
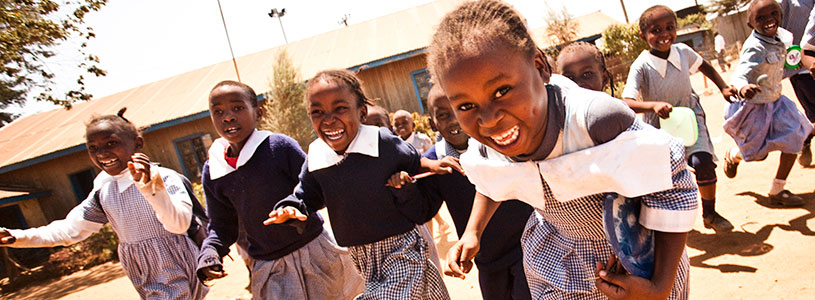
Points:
(346, 170)
(147, 206)
(561, 149)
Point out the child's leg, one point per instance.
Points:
(732, 158)
(778, 195)
(804, 87)
(705, 168)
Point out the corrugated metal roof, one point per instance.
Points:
(47, 135)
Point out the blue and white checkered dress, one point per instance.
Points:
(563, 241)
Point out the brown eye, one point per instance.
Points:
(466, 106)
(502, 91)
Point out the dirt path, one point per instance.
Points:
(768, 256)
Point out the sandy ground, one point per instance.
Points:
(768, 256)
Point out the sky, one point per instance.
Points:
(143, 41)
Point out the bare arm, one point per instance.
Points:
(727, 91)
(460, 256)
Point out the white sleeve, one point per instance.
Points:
(73, 229)
(808, 40)
(632, 84)
(167, 195)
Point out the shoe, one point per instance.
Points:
(787, 199)
(730, 166)
(806, 156)
(718, 223)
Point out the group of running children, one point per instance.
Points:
(522, 211)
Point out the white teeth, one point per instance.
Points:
(334, 135)
(108, 162)
(507, 137)
(455, 131)
(230, 129)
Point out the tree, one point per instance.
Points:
(623, 40)
(285, 108)
(725, 7)
(560, 27)
(31, 29)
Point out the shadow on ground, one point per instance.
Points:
(58, 288)
(798, 224)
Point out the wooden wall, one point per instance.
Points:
(52, 175)
(392, 83)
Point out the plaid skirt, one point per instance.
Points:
(398, 267)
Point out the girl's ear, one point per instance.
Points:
(363, 113)
(542, 65)
(258, 113)
(139, 143)
(606, 78)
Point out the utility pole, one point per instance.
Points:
(279, 15)
(624, 12)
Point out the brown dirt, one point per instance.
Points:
(768, 256)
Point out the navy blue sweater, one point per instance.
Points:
(501, 240)
(249, 193)
(362, 209)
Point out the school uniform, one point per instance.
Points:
(796, 16)
(499, 261)
(668, 80)
(769, 121)
(420, 141)
(287, 263)
(586, 153)
(151, 222)
(375, 222)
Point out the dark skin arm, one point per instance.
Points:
(727, 90)
(808, 62)
(668, 250)
(460, 256)
(662, 109)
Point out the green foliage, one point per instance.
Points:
(725, 7)
(285, 109)
(693, 19)
(198, 190)
(102, 245)
(30, 31)
(624, 40)
(422, 125)
(560, 27)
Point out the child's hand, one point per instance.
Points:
(399, 179)
(729, 92)
(460, 256)
(213, 272)
(446, 166)
(749, 91)
(6, 237)
(618, 284)
(139, 168)
(283, 214)
(662, 109)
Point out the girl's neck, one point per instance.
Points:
(660, 54)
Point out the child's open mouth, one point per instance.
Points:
(507, 137)
(107, 163)
(664, 42)
(334, 135)
(771, 26)
(231, 130)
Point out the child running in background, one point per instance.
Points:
(766, 120)
(530, 143)
(403, 127)
(584, 64)
(500, 264)
(378, 116)
(147, 206)
(347, 170)
(661, 78)
(247, 173)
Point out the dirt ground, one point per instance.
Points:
(768, 256)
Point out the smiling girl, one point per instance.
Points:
(561, 149)
(346, 171)
(147, 206)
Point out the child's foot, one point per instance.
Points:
(787, 199)
(806, 156)
(718, 223)
(730, 165)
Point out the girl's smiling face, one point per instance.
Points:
(499, 98)
(109, 148)
(233, 115)
(335, 113)
(583, 68)
(765, 17)
(661, 31)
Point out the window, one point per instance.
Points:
(12, 217)
(82, 183)
(192, 152)
(421, 85)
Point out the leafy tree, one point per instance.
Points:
(561, 28)
(624, 40)
(694, 19)
(29, 32)
(725, 7)
(285, 108)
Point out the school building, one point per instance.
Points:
(44, 168)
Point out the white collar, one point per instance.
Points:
(661, 65)
(321, 156)
(123, 180)
(411, 138)
(218, 167)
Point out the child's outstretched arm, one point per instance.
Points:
(632, 91)
(307, 198)
(745, 74)
(460, 256)
(727, 90)
(165, 193)
(82, 221)
(446, 165)
(668, 249)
